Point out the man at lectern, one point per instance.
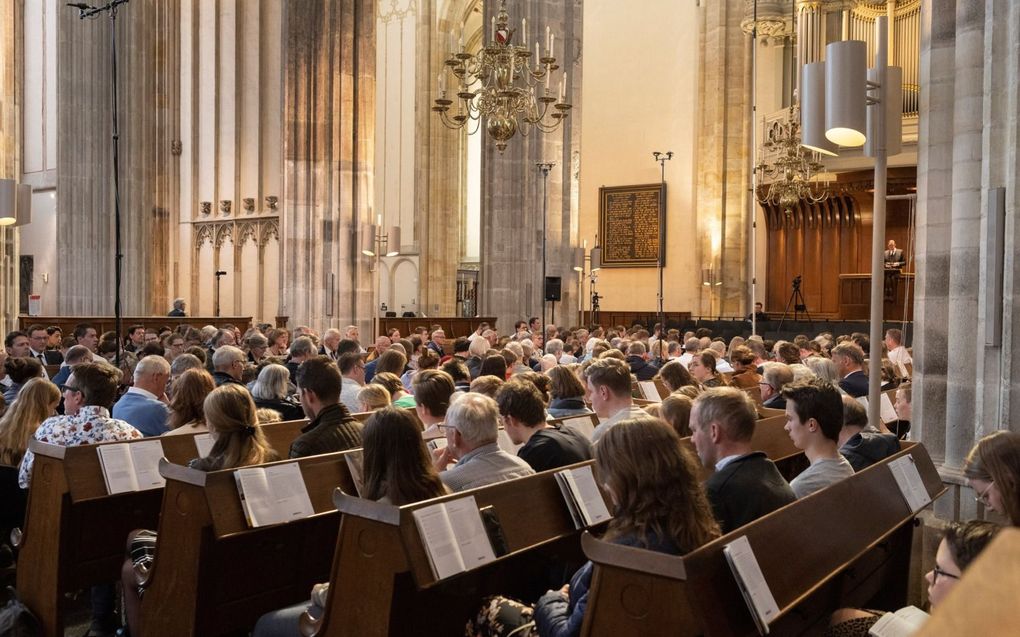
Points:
(893, 256)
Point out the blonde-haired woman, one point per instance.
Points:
(36, 402)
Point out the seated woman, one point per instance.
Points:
(270, 392)
(675, 409)
(425, 360)
(702, 368)
(992, 469)
(20, 371)
(230, 416)
(745, 373)
(399, 397)
(397, 470)
(960, 546)
(901, 426)
(659, 505)
(372, 397)
(187, 415)
(36, 402)
(674, 376)
(566, 392)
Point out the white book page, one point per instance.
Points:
(290, 495)
(204, 444)
(118, 470)
(475, 548)
(649, 390)
(903, 623)
(145, 455)
(587, 495)
(440, 543)
(752, 583)
(581, 424)
(568, 497)
(888, 413)
(909, 481)
(256, 496)
(355, 464)
(507, 445)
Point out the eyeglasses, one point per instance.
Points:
(69, 388)
(444, 426)
(982, 497)
(939, 572)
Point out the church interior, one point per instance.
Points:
(637, 202)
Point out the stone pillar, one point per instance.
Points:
(85, 202)
(329, 115)
(511, 249)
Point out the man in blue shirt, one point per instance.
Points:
(143, 405)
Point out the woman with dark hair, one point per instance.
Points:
(992, 469)
(20, 371)
(392, 361)
(186, 407)
(397, 470)
(494, 365)
(674, 376)
(703, 370)
(279, 340)
(540, 381)
(659, 505)
(567, 393)
(675, 409)
(230, 416)
(398, 395)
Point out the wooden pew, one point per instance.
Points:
(75, 531)
(214, 575)
(846, 545)
(382, 584)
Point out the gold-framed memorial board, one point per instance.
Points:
(631, 225)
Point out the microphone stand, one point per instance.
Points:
(87, 11)
(662, 158)
(219, 273)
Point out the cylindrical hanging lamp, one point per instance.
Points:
(846, 93)
(812, 109)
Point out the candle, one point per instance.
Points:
(563, 95)
(547, 46)
(461, 42)
(561, 90)
(552, 45)
(442, 83)
(493, 29)
(524, 30)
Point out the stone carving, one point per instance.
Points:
(271, 202)
(224, 232)
(225, 206)
(249, 204)
(247, 230)
(203, 233)
(267, 229)
(206, 207)
(176, 147)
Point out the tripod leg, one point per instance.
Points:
(803, 302)
(787, 310)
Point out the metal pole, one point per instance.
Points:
(754, 173)
(544, 168)
(878, 227)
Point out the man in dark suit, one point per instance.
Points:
(745, 485)
(849, 360)
(774, 377)
(436, 344)
(893, 255)
(37, 337)
(178, 308)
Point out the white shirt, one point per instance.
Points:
(686, 358)
(633, 411)
(722, 462)
(144, 392)
(900, 356)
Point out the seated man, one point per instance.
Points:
(301, 350)
(228, 365)
(609, 383)
(637, 359)
(814, 418)
(545, 446)
(352, 375)
(471, 432)
(898, 354)
(774, 377)
(745, 485)
(433, 391)
(331, 428)
(849, 360)
(144, 406)
(860, 447)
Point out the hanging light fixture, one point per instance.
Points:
(503, 84)
(846, 93)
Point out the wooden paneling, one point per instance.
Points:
(452, 326)
(108, 323)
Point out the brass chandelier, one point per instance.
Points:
(502, 83)
(791, 175)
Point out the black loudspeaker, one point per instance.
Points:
(552, 288)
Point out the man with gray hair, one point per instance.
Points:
(183, 363)
(178, 308)
(691, 347)
(554, 346)
(774, 377)
(472, 428)
(301, 350)
(228, 366)
(330, 343)
(144, 406)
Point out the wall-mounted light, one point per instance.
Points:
(24, 213)
(8, 202)
(373, 243)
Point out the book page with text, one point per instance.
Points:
(440, 543)
(587, 495)
(475, 547)
(118, 469)
(751, 581)
(649, 390)
(291, 501)
(909, 481)
(255, 495)
(145, 456)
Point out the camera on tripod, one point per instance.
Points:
(796, 282)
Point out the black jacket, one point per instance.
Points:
(746, 489)
(287, 409)
(552, 447)
(332, 430)
(865, 449)
(642, 368)
(223, 378)
(855, 384)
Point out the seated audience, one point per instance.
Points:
(398, 471)
(75, 355)
(745, 372)
(187, 415)
(675, 375)
(301, 350)
(352, 376)
(494, 365)
(745, 484)
(230, 415)
(675, 409)
(609, 389)
(486, 385)
(477, 351)
(992, 470)
(36, 402)
(458, 371)
(960, 546)
(566, 392)
(270, 391)
(703, 369)
(658, 505)
(144, 404)
(399, 397)
(901, 426)
(637, 359)
(228, 365)
(331, 428)
(544, 446)
(257, 345)
(814, 418)
(823, 368)
(898, 354)
(427, 360)
(540, 381)
(278, 339)
(18, 372)
(860, 447)
(372, 397)
(774, 377)
(472, 428)
(433, 393)
(849, 360)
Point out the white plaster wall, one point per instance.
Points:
(39, 239)
(640, 94)
(398, 283)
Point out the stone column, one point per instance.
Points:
(85, 202)
(329, 115)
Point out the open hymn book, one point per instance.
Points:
(273, 494)
(454, 536)
(131, 466)
(751, 581)
(649, 390)
(582, 495)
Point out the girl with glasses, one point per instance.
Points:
(993, 471)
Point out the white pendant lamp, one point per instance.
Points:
(846, 93)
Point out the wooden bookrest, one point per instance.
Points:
(74, 531)
(382, 582)
(212, 574)
(846, 545)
